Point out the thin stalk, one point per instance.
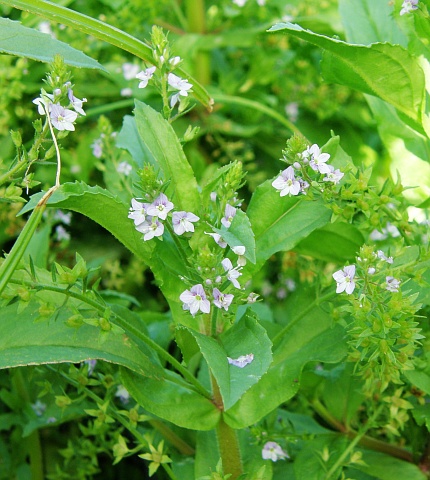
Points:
(228, 441)
(353, 444)
(270, 112)
(20, 165)
(196, 16)
(123, 324)
(179, 14)
(304, 312)
(102, 31)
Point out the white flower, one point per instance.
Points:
(393, 284)
(273, 451)
(232, 273)
(122, 394)
(174, 61)
(252, 297)
(180, 84)
(160, 207)
(124, 168)
(334, 176)
(76, 102)
(126, 92)
(182, 222)
(61, 118)
(222, 300)
(409, 6)
(240, 3)
(43, 104)
(241, 361)
(286, 183)
(62, 217)
(229, 214)
(380, 254)
(61, 233)
(240, 252)
(130, 70)
(371, 270)
(145, 76)
(345, 279)
(97, 147)
(138, 212)
(151, 228)
(195, 300)
(317, 160)
(218, 239)
(292, 111)
(38, 407)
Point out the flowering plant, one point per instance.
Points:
(255, 304)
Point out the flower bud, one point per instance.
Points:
(16, 138)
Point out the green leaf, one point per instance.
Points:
(245, 337)
(26, 341)
(386, 467)
(129, 139)
(163, 144)
(279, 223)
(282, 381)
(398, 80)
(172, 399)
(240, 233)
(336, 242)
(16, 39)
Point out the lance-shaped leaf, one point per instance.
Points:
(16, 39)
(163, 144)
(26, 339)
(173, 400)
(387, 71)
(244, 338)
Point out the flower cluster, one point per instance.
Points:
(288, 184)
(62, 118)
(409, 6)
(147, 217)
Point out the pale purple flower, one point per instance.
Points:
(241, 361)
(43, 103)
(273, 451)
(222, 300)
(160, 207)
(130, 70)
(389, 231)
(240, 252)
(62, 217)
(345, 279)
(182, 222)
(151, 228)
(91, 366)
(304, 185)
(126, 92)
(292, 111)
(38, 407)
(61, 233)
(334, 176)
(409, 6)
(393, 284)
(97, 147)
(380, 254)
(317, 160)
(123, 394)
(213, 196)
(138, 212)
(218, 239)
(145, 76)
(371, 270)
(286, 183)
(180, 84)
(45, 27)
(125, 168)
(195, 300)
(232, 273)
(76, 102)
(229, 214)
(61, 118)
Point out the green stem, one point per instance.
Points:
(32, 442)
(102, 31)
(339, 462)
(364, 440)
(270, 112)
(14, 257)
(228, 441)
(172, 438)
(180, 16)
(302, 314)
(126, 326)
(196, 15)
(15, 169)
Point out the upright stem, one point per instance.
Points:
(196, 14)
(228, 441)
